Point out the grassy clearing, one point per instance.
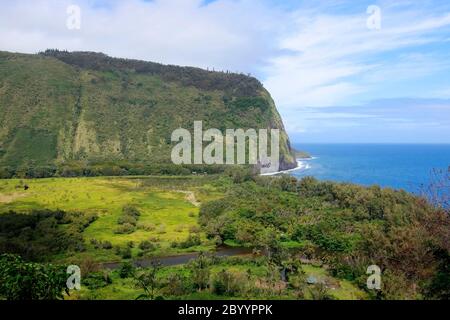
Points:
(166, 213)
(339, 289)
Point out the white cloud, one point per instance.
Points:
(308, 57)
(334, 57)
(442, 92)
(226, 34)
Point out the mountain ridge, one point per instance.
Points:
(59, 107)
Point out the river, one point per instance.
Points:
(179, 259)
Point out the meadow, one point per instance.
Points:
(167, 215)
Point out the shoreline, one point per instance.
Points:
(301, 165)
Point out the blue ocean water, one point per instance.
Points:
(399, 166)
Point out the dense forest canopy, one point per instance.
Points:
(234, 84)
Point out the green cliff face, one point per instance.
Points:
(57, 107)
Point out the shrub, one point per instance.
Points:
(37, 235)
(200, 271)
(107, 245)
(97, 280)
(131, 211)
(195, 229)
(146, 226)
(177, 285)
(225, 283)
(192, 241)
(319, 291)
(154, 239)
(240, 174)
(125, 229)
(30, 281)
(126, 219)
(147, 246)
(87, 266)
(126, 270)
(149, 281)
(95, 243)
(125, 252)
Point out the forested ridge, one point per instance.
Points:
(83, 110)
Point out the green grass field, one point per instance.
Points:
(167, 214)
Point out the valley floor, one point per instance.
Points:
(169, 209)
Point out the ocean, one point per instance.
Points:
(399, 166)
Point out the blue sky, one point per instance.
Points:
(332, 78)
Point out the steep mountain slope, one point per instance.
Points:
(57, 107)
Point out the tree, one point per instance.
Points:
(268, 240)
(320, 292)
(200, 269)
(177, 285)
(20, 280)
(126, 270)
(438, 190)
(291, 267)
(148, 281)
(439, 286)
